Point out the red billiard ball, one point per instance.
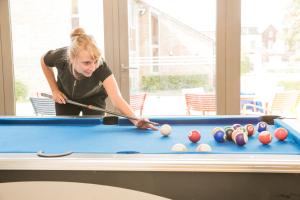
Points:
(250, 129)
(281, 133)
(265, 137)
(194, 136)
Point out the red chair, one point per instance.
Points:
(137, 102)
(204, 103)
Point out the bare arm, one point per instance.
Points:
(113, 91)
(58, 96)
(115, 96)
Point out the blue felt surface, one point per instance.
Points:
(58, 135)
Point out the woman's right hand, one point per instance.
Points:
(59, 97)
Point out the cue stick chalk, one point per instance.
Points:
(98, 109)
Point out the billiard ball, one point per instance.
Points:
(203, 148)
(241, 138)
(228, 130)
(216, 129)
(220, 136)
(265, 137)
(165, 129)
(234, 133)
(262, 126)
(281, 133)
(242, 129)
(235, 126)
(250, 129)
(194, 136)
(179, 147)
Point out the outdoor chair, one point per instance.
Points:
(43, 106)
(283, 103)
(204, 103)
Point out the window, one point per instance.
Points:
(174, 52)
(271, 66)
(75, 17)
(38, 26)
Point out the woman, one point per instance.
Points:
(83, 76)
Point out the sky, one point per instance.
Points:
(189, 11)
(263, 12)
(201, 14)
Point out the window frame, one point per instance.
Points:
(228, 33)
(7, 100)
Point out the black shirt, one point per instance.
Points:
(86, 88)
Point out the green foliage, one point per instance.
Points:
(21, 91)
(246, 65)
(292, 25)
(290, 85)
(173, 82)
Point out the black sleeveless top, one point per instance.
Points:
(87, 89)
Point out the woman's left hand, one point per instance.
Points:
(143, 124)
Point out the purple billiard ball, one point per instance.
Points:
(241, 138)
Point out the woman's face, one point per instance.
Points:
(85, 64)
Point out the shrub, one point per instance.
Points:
(21, 91)
(174, 82)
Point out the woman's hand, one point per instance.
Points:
(142, 124)
(59, 97)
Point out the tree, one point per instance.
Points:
(21, 91)
(246, 65)
(292, 25)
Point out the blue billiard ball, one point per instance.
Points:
(262, 126)
(220, 136)
(216, 129)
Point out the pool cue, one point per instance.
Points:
(91, 107)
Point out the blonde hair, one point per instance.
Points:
(81, 41)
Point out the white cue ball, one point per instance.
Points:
(165, 129)
(179, 147)
(203, 147)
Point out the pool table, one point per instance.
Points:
(87, 150)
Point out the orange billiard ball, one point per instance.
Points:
(281, 133)
(250, 129)
(265, 137)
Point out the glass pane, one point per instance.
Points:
(172, 54)
(38, 26)
(270, 57)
